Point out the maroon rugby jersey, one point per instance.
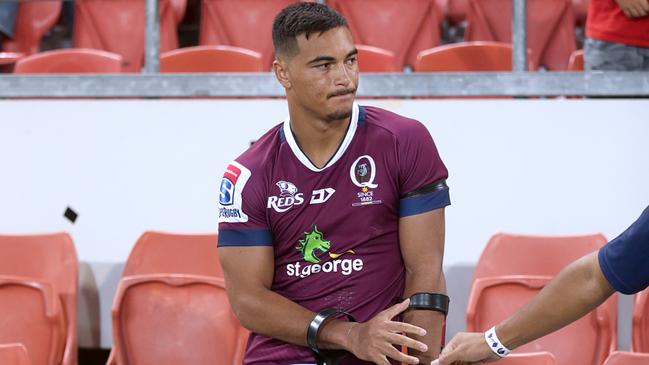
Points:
(334, 230)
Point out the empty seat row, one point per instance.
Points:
(118, 26)
(171, 307)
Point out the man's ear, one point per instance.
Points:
(281, 72)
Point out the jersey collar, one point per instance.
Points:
(351, 130)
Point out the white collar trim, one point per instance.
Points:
(351, 131)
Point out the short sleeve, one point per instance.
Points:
(242, 220)
(422, 174)
(625, 260)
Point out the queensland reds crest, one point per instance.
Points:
(363, 172)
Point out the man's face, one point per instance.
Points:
(323, 75)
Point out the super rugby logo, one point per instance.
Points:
(312, 247)
(288, 197)
(234, 179)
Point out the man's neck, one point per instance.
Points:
(318, 139)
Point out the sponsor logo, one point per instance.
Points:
(321, 196)
(363, 173)
(287, 198)
(234, 179)
(313, 248)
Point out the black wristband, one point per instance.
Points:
(430, 301)
(314, 328)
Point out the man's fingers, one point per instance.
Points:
(383, 360)
(644, 4)
(435, 362)
(401, 357)
(401, 340)
(408, 328)
(397, 308)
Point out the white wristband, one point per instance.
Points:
(494, 343)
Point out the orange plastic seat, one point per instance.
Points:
(48, 266)
(576, 62)
(403, 27)
(211, 59)
(73, 60)
(550, 28)
(514, 268)
(580, 9)
(457, 10)
(374, 59)
(467, 56)
(627, 358)
(171, 306)
(640, 338)
(241, 23)
(8, 58)
(14, 354)
(33, 20)
(529, 358)
(118, 26)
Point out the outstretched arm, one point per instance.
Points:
(576, 290)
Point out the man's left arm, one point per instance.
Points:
(421, 238)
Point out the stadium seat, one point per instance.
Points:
(529, 358)
(374, 59)
(241, 23)
(403, 27)
(456, 11)
(42, 266)
(178, 7)
(62, 61)
(211, 59)
(171, 306)
(550, 28)
(640, 338)
(576, 62)
(627, 358)
(513, 269)
(467, 56)
(118, 26)
(580, 9)
(8, 58)
(14, 354)
(33, 20)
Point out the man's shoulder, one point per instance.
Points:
(395, 124)
(263, 150)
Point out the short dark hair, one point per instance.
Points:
(302, 18)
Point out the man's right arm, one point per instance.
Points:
(248, 276)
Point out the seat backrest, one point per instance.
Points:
(403, 27)
(640, 338)
(31, 314)
(374, 59)
(51, 258)
(14, 354)
(75, 60)
(550, 28)
(241, 23)
(159, 252)
(576, 62)
(466, 56)
(211, 59)
(33, 20)
(512, 254)
(529, 358)
(118, 26)
(170, 319)
(522, 256)
(627, 358)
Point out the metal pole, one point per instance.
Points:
(152, 38)
(519, 35)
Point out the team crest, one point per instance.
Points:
(288, 197)
(363, 174)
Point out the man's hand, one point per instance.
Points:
(374, 340)
(467, 348)
(634, 8)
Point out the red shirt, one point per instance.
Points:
(607, 22)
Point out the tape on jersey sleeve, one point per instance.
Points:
(245, 237)
(425, 199)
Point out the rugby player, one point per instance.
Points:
(338, 208)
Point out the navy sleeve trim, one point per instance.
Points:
(610, 276)
(245, 237)
(424, 203)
